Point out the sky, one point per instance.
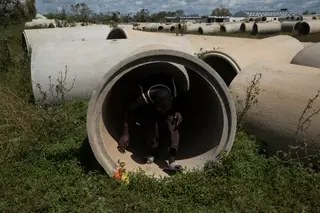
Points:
(201, 7)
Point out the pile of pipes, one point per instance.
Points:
(303, 25)
(269, 86)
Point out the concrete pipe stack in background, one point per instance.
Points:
(266, 27)
(308, 27)
(230, 27)
(288, 26)
(154, 27)
(209, 29)
(246, 26)
(194, 28)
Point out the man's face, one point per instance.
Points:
(162, 109)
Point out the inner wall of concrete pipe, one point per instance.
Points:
(223, 65)
(117, 33)
(303, 28)
(209, 122)
(160, 29)
(243, 27)
(223, 29)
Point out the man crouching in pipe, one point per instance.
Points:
(156, 104)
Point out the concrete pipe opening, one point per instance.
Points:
(172, 29)
(223, 29)
(25, 43)
(160, 29)
(209, 117)
(117, 33)
(264, 18)
(250, 19)
(296, 26)
(243, 27)
(254, 29)
(303, 28)
(200, 31)
(225, 66)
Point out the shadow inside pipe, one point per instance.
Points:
(243, 27)
(202, 126)
(117, 33)
(224, 68)
(303, 28)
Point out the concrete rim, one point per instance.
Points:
(224, 56)
(163, 55)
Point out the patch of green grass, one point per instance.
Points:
(44, 158)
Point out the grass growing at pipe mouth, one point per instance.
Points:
(43, 168)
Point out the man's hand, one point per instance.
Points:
(177, 119)
(123, 142)
(174, 121)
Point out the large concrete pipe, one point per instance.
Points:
(170, 27)
(288, 26)
(307, 18)
(308, 56)
(58, 35)
(230, 27)
(309, 27)
(266, 27)
(246, 27)
(285, 91)
(193, 28)
(229, 61)
(154, 27)
(86, 62)
(215, 119)
(209, 29)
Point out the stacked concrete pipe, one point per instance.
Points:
(308, 27)
(86, 62)
(284, 92)
(246, 26)
(194, 28)
(288, 26)
(209, 29)
(39, 37)
(154, 27)
(170, 27)
(266, 27)
(308, 56)
(215, 119)
(230, 27)
(231, 60)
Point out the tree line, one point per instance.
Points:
(14, 11)
(80, 12)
